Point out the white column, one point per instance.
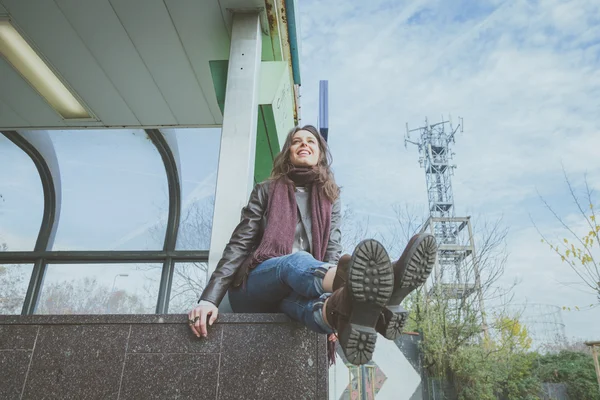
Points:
(235, 176)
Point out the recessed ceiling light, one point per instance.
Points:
(29, 64)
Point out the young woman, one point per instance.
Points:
(284, 256)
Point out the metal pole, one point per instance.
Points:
(324, 109)
(166, 144)
(484, 325)
(363, 383)
(39, 147)
(112, 290)
(596, 364)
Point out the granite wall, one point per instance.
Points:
(246, 356)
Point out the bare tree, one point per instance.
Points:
(12, 290)
(87, 296)
(450, 312)
(354, 229)
(408, 221)
(189, 278)
(578, 249)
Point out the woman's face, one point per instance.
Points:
(305, 151)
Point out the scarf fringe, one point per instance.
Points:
(331, 349)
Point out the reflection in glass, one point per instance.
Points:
(100, 289)
(21, 198)
(199, 156)
(14, 279)
(115, 191)
(188, 282)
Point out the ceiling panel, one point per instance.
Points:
(24, 100)
(10, 118)
(101, 31)
(47, 27)
(156, 40)
(204, 37)
(2, 9)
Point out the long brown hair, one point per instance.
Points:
(282, 164)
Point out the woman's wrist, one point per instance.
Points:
(205, 303)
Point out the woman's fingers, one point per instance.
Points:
(197, 319)
(193, 318)
(200, 324)
(213, 316)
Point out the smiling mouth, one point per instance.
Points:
(303, 153)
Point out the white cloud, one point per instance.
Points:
(523, 75)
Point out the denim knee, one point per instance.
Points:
(303, 267)
(318, 314)
(308, 312)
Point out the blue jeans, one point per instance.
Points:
(291, 284)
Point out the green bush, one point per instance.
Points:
(576, 369)
(489, 374)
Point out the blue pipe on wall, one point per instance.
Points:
(290, 14)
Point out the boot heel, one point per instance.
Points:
(358, 342)
(391, 323)
(370, 283)
(414, 266)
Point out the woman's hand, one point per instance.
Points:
(198, 318)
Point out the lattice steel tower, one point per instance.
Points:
(456, 271)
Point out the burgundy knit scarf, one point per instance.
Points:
(282, 213)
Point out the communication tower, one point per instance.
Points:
(456, 272)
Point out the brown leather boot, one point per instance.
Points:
(410, 272)
(341, 273)
(354, 308)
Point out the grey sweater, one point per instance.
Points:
(301, 242)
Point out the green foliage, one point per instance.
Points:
(579, 248)
(499, 367)
(473, 374)
(445, 326)
(574, 368)
(512, 334)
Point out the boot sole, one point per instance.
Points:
(421, 258)
(370, 284)
(391, 323)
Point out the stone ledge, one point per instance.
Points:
(245, 356)
(224, 318)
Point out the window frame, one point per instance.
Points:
(40, 149)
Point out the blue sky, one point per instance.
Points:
(524, 75)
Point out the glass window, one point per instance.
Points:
(14, 279)
(189, 279)
(21, 198)
(100, 289)
(114, 191)
(199, 157)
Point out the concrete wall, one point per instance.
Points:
(246, 356)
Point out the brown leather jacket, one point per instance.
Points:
(232, 270)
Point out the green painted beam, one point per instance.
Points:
(264, 153)
(218, 70)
